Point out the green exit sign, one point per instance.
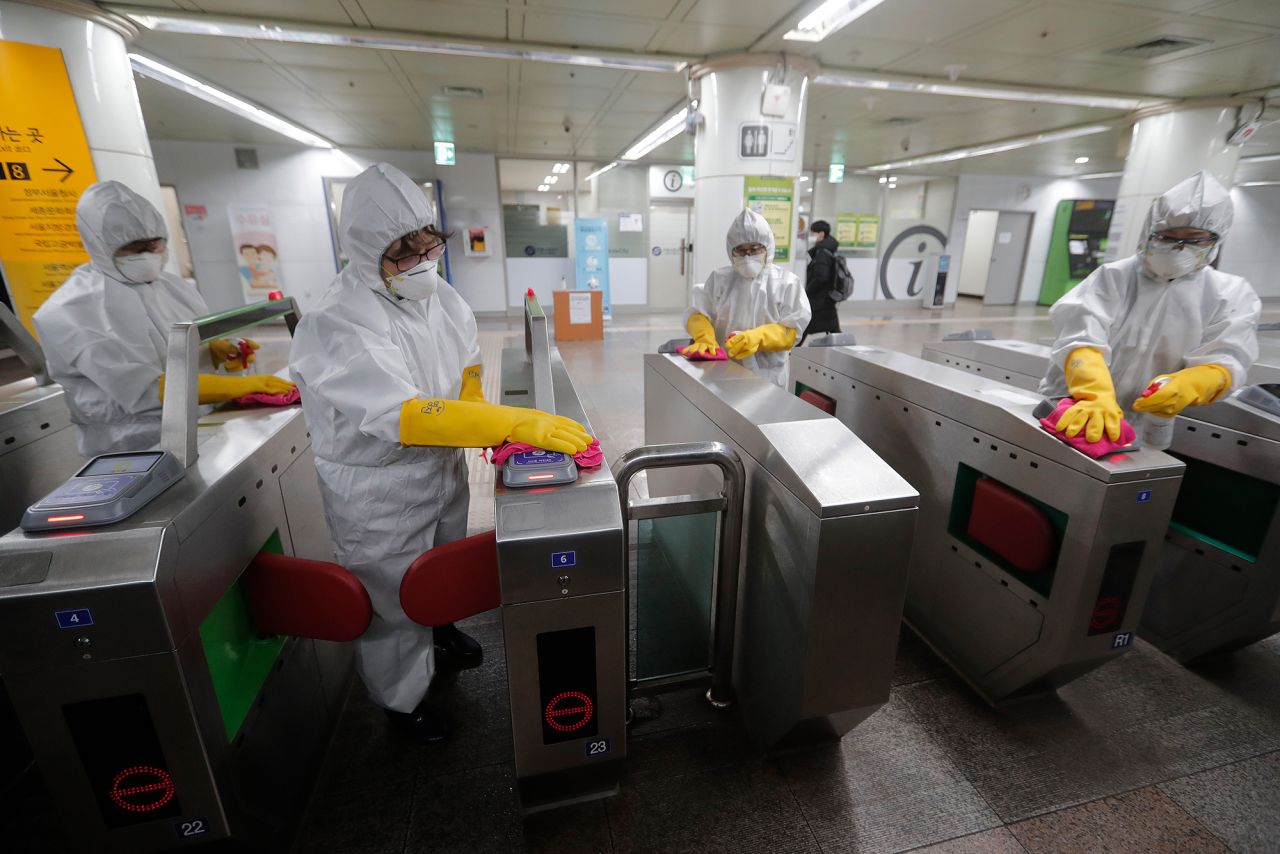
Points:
(445, 155)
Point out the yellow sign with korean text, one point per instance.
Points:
(44, 167)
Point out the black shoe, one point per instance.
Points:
(422, 723)
(462, 650)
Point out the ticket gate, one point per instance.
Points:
(1215, 590)
(827, 533)
(37, 440)
(1031, 561)
(157, 713)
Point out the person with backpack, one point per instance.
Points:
(822, 280)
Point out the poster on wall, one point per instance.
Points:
(857, 231)
(44, 167)
(477, 244)
(257, 252)
(772, 198)
(592, 263)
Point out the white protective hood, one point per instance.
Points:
(110, 215)
(1198, 202)
(749, 227)
(379, 206)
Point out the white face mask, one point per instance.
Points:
(1172, 262)
(416, 283)
(142, 268)
(748, 267)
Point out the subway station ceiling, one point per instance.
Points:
(369, 98)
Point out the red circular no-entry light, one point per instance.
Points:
(569, 711)
(142, 788)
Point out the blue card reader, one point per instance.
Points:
(538, 468)
(111, 488)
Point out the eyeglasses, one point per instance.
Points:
(1180, 242)
(136, 247)
(749, 249)
(413, 259)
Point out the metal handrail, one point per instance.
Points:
(728, 566)
(180, 409)
(23, 344)
(537, 349)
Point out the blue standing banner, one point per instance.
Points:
(592, 263)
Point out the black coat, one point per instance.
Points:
(820, 279)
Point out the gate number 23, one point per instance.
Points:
(597, 747)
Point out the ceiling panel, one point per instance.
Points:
(656, 9)
(317, 56)
(848, 48)
(183, 48)
(243, 78)
(1049, 29)
(1265, 12)
(977, 64)
(312, 11)
(615, 33)
(928, 21)
(484, 21)
(761, 14)
(696, 37)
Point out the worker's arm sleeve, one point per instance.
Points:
(1230, 337)
(126, 372)
(1084, 315)
(368, 386)
(792, 307)
(700, 302)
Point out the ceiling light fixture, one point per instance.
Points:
(1082, 160)
(542, 188)
(1094, 175)
(926, 86)
(830, 17)
(551, 179)
(158, 71)
(669, 128)
(602, 170)
(248, 28)
(991, 148)
(560, 168)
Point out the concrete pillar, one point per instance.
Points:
(1165, 149)
(94, 47)
(731, 92)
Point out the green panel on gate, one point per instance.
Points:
(1224, 508)
(240, 659)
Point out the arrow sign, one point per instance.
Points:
(65, 168)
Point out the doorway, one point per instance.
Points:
(995, 252)
(669, 250)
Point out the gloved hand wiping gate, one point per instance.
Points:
(1096, 409)
(435, 422)
(770, 337)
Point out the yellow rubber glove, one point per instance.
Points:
(471, 384)
(770, 337)
(704, 336)
(213, 388)
(228, 355)
(1096, 410)
(465, 424)
(1194, 386)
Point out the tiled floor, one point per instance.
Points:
(1142, 755)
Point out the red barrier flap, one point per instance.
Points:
(1012, 526)
(819, 400)
(453, 581)
(306, 598)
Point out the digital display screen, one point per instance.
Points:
(538, 458)
(567, 684)
(118, 747)
(133, 464)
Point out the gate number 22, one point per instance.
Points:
(192, 827)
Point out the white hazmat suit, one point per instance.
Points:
(1145, 325)
(734, 303)
(105, 338)
(357, 357)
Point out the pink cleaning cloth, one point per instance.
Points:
(287, 399)
(590, 458)
(718, 356)
(1097, 449)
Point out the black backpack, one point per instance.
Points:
(842, 280)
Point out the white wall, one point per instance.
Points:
(290, 181)
(1040, 196)
(1250, 248)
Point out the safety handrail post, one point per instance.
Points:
(537, 348)
(180, 408)
(728, 566)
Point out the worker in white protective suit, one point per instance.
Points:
(389, 368)
(1162, 313)
(105, 330)
(762, 306)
